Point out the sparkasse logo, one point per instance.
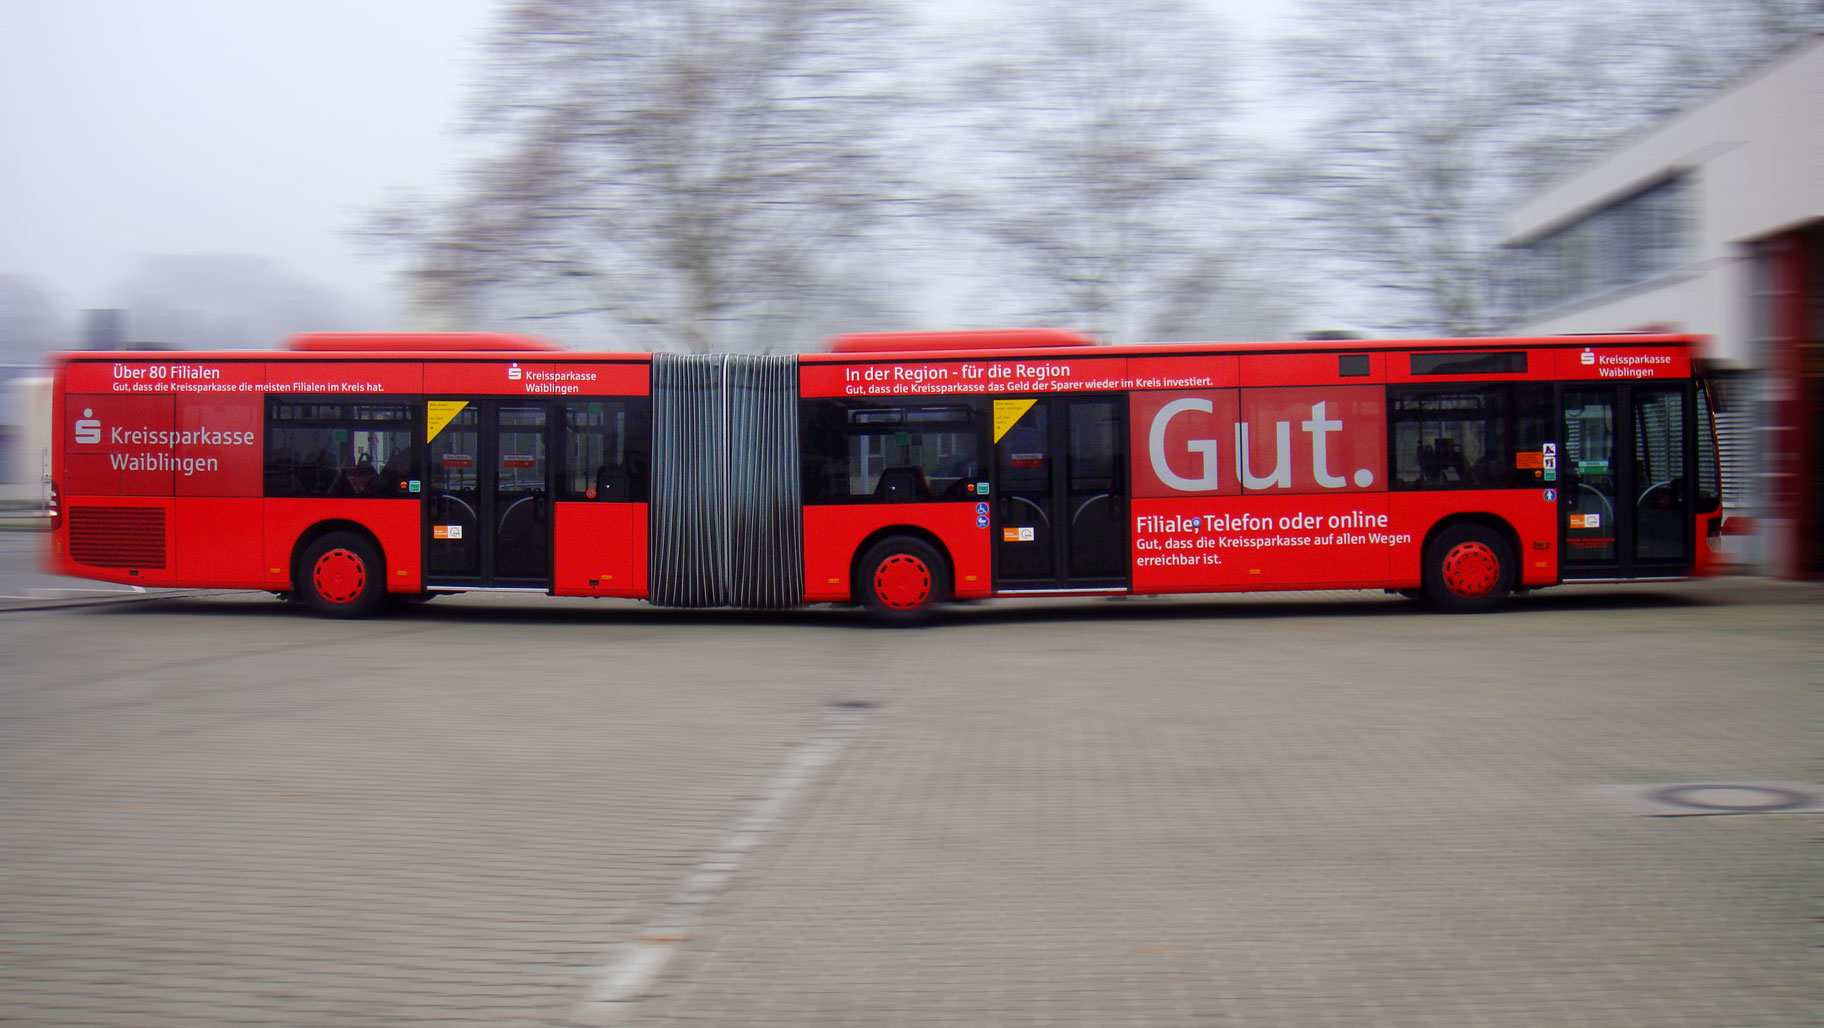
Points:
(88, 428)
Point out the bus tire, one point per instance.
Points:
(1469, 567)
(342, 576)
(901, 580)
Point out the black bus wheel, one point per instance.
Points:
(342, 576)
(1468, 567)
(901, 579)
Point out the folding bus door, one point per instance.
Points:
(487, 503)
(1060, 493)
(1626, 480)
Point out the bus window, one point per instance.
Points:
(1661, 515)
(607, 450)
(1709, 476)
(1465, 437)
(872, 452)
(339, 449)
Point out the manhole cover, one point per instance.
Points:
(1693, 798)
(1732, 799)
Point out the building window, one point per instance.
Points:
(1633, 240)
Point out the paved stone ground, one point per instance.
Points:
(1284, 811)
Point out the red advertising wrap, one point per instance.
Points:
(965, 377)
(1222, 442)
(1239, 487)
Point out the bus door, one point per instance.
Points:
(487, 507)
(1060, 493)
(1626, 480)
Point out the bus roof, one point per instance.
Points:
(1008, 343)
(992, 339)
(973, 350)
(418, 342)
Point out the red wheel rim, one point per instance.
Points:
(340, 576)
(902, 582)
(1471, 569)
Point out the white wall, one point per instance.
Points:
(1755, 153)
(28, 404)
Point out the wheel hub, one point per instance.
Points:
(340, 576)
(902, 582)
(1471, 569)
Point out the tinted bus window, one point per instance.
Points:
(608, 445)
(1709, 476)
(874, 452)
(340, 449)
(1500, 363)
(1466, 437)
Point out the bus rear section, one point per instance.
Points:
(351, 471)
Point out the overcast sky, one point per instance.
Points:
(234, 126)
(219, 126)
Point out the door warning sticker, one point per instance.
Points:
(1007, 413)
(440, 414)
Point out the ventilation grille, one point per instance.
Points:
(118, 537)
(725, 524)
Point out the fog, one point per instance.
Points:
(194, 127)
(1141, 172)
(144, 140)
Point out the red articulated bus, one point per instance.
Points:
(896, 471)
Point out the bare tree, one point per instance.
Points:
(1418, 101)
(1619, 67)
(1436, 115)
(1093, 153)
(693, 173)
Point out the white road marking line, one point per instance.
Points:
(619, 985)
(52, 592)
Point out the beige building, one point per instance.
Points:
(1711, 222)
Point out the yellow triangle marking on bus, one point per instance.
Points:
(1007, 413)
(441, 413)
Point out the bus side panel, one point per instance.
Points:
(117, 446)
(1227, 543)
(223, 456)
(593, 551)
(216, 542)
(1710, 560)
(1531, 515)
(833, 533)
(639, 530)
(397, 524)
